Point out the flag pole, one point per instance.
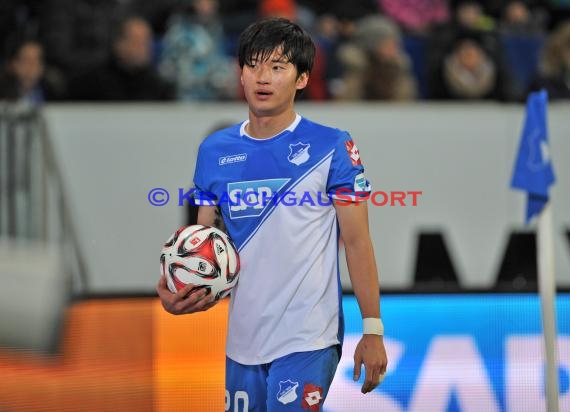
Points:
(547, 290)
(533, 172)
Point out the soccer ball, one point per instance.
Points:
(203, 256)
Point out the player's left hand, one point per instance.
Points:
(370, 351)
(189, 299)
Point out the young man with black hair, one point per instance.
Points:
(285, 323)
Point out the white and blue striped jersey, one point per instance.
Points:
(275, 197)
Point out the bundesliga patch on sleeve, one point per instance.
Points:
(361, 184)
(353, 152)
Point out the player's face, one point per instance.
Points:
(270, 85)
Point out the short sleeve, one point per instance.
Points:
(346, 174)
(203, 194)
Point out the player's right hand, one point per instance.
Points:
(186, 300)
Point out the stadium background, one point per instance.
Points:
(118, 347)
(82, 330)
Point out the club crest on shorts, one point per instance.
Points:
(298, 153)
(287, 391)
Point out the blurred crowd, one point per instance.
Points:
(185, 50)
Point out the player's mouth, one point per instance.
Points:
(263, 94)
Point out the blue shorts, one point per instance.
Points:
(296, 382)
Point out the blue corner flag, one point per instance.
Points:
(533, 170)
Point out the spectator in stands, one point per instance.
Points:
(24, 77)
(522, 33)
(519, 20)
(416, 16)
(470, 71)
(476, 61)
(156, 13)
(77, 33)
(375, 65)
(236, 16)
(18, 18)
(127, 75)
(554, 68)
(469, 14)
(332, 23)
(468, 17)
(193, 55)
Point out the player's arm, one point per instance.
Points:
(185, 300)
(353, 223)
(211, 216)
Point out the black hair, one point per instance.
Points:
(263, 37)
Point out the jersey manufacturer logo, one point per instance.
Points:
(287, 391)
(299, 153)
(251, 198)
(312, 397)
(353, 152)
(230, 159)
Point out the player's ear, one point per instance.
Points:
(241, 77)
(302, 81)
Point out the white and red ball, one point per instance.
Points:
(201, 255)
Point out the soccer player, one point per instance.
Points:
(284, 188)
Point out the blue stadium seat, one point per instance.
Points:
(415, 46)
(522, 54)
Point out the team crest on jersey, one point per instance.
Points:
(287, 391)
(299, 153)
(353, 152)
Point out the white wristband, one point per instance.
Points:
(372, 326)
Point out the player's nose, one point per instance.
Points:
(264, 75)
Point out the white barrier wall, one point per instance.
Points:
(459, 156)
